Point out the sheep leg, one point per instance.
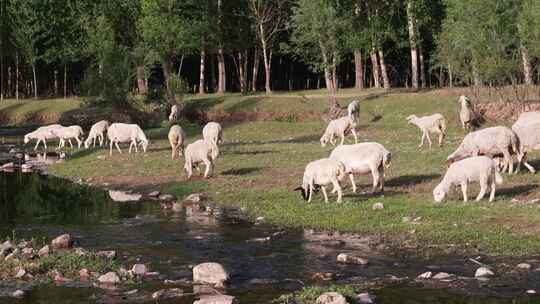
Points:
(355, 136)
(508, 161)
(531, 168)
(79, 142)
(376, 177)
(483, 188)
(310, 191)
(428, 139)
(351, 177)
(441, 138)
(332, 140)
(208, 165)
(110, 151)
(324, 193)
(464, 190)
(342, 138)
(338, 187)
(117, 147)
(173, 151)
(70, 143)
(37, 144)
(492, 194)
(422, 140)
(381, 178)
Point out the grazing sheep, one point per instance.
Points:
(527, 128)
(466, 114)
(41, 134)
(320, 173)
(121, 132)
(177, 139)
(198, 152)
(213, 133)
(353, 110)
(97, 131)
(175, 111)
(364, 158)
(67, 133)
(479, 168)
(490, 141)
(433, 123)
(339, 127)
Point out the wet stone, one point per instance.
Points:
(425, 275)
(63, 241)
(331, 298)
(216, 299)
(210, 273)
(44, 251)
(167, 293)
(349, 259)
(483, 272)
(166, 197)
(110, 254)
(442, 276)
(109, 278)
(364, 298)
(18, 293)
(524, 266)
(139, 269)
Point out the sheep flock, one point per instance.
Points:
(481, 157)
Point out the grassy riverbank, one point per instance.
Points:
(262, 161)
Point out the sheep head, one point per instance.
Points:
(324, 140)
(410, 118)
(439, 193)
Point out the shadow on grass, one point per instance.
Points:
(297, 140)
(250, 152)
(410, 180)
(84, 152)
(241, 171)
(512, 192)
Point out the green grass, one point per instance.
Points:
(309, 295)
(261, 162)
(17, 112)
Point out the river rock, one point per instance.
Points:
(377, 206)
(28, 252)
(63, 241)
(194, 198)
(109, 278)
(44, 251)
(364, 298)
(153, 194)
(426, 275)
(531, 291)
(442, 276)
(210, 273)
(18, 293)
(177, 207)
(166, 197)
(167, 293)
(349, 259)
(123, 196)
(524, 266)
(139, 269)
(19, 272)
(483, 272)
(109, 254)
(216, 299)
(84, 274)
(6, 248)
(331, 298)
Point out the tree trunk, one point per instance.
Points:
(256, 62)
(422, 67)
(242, 72)
(413, 43)
(9, 87)
(201, 75)
(358, 69)
(65, 81)
(375, 64)
(450, 76)
(141, 82)
(35, 80)
(17, 76)
(329, 76)
(476, 77)
(55, 83)
(386, 80)
(213, 83)
(167, 73)
(527, 68)
(222, 85)
(267, 61)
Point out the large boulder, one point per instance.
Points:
(139, 269)
(216, 299)
(123, 196)
(483, 272)
(109, 278)
(63, 241)
(331, 298)
(210, 273)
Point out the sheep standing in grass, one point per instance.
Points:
(353, 110)
(480, 168)
(67, 133)
(490, 141)
(527, 128)
(177, 139)
(466, 114)
(41, 134)
(175, 112)
(320, 173)
(97, 131)
(435, 123)
(364, 158)
(121, 132)
(199, 152)
(213, 133)
(339, 127)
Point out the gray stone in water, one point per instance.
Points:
(167, 293)
(377, 206)
(62, 242)
(531, 291)
(331, 298)
(110, 254)
(216, 299)
(210, 273)
(349, 259)
(166, 197)
(483, 272)
(18, 293)
(109, 278)
(442, 276)
(524, 266)
(123, 196)
(364, 298)
(20, 273)
(425, 275)
(6, 247)
(84, 274)
(194, 198)
(153, 194)
(139, 269)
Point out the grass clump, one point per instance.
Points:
(309, 295)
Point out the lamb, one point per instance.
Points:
(177, 139)
(198, 152)
(364, 158)
(353, 110)
(435, 123)
(489, 141)
(41, 134)
(97, 131)
(67, 133)
(527, 128)
(338, 127)
(121, 132)
(466, 114)
(479, 168)
(213, 133)
(175, 111)
(320, 173)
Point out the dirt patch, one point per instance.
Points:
(507, 111)
(256, 115)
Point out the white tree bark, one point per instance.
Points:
(201, 75)
(413, 43)
(527, 67)
(358, 69)
(386, 80)
(375, 65)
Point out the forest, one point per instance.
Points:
(112, 49)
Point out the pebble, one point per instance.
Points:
(139, 269)
(345, 258)
(109, 278)
(441, 276)
(483, 272)
(168, 293)
(377, 206)
(18, 293)
(425, 275)
(524, 266)
(531, 291)
(364, 298)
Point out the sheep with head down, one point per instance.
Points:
(42, 134)
(177, 140)
(67, 133)
(97, 131)
(132, 133)
(339, 128)
(527, 128)
(319, 174)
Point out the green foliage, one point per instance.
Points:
(309, 295)
(26, 29)
(529, 26)
(69, 263)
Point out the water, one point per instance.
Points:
(44, 207)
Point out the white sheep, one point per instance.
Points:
(339, 127)
(67, 133)
(177, 139)
(364, 158)
(175, 111)
(527, 128)
(121, 132)
(353, 110)
(466, 114)
(199, 152)
(490, 141)
(41, 134)
(213, 133)
(320, 173)
(435, 123)
(479, 168)
(97, 131)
